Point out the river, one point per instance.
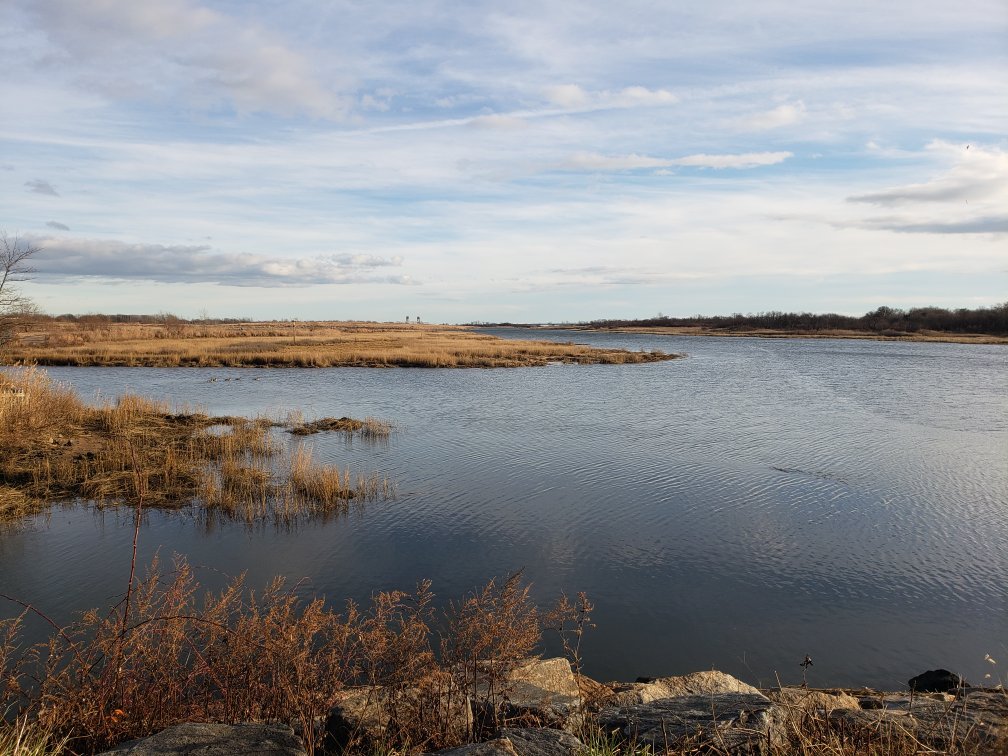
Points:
(755, 502)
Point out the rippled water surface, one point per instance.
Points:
(738, 509)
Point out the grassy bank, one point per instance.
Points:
(55, 448)
(167, 653)
(776, 333)
(299, 344)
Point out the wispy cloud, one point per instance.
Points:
(592, 161)
(575, 97)
(743, 160)
(41, 187)
(986, 224)
(785, 114)
(89, 258)
(58, 226)
(177, 48)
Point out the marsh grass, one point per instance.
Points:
(54, 448)
(311, 344)
(25, 737)
(369, 429)
(169, 653)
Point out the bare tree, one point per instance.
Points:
(16, 310)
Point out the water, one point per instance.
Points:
(756, 502)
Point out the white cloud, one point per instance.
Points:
(567, 95)
(574, 97)
(979, 174)
(176, 48)
(593, 161)
(503, 121)
(743, 160)
(58, 226)
(70, 259)
(786, 114)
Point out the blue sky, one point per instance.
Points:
(528, 161)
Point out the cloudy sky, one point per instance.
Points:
(534, 161)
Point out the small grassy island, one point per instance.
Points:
(97, 341)
(55, 448)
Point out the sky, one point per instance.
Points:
(541, 161)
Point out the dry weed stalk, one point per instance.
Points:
(164, 655)
(488, 634)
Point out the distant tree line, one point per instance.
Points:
(161, 318)
(884, 320)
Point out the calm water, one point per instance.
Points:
(738, 509)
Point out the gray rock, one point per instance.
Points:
(695, 684)
(971, 722)
(737, 723)
(199, 739)
(529, 741)
(497, 747)
(522, 741)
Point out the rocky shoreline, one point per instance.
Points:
(547, 710)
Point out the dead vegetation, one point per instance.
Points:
(54, 448)
(300, 344)
(167, 654)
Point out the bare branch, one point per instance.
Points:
(16, 310)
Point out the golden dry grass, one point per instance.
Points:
(302, 344)
(54, 448)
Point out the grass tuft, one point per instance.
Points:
(54, 448)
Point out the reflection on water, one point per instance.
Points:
(758, 501)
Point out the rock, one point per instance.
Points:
(198, 739)
(975, 722)
(540, 693)
(363, 717)
(522, 741)
(811, 701)
(695, 684)
(737, 723)
(593, 693)
(936, 681)
(497, 747)
(544, 741)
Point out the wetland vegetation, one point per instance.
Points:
(984, 325)
(167, 341)
(55, 448)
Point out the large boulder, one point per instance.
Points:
(974, 722)
(538, 693)
(805, 700)
(737, 723)
(495, 747)
(522, 741)
(200, 739)
(695, 684)
(543, 741)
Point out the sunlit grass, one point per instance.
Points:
(311, 344)
(55, 448)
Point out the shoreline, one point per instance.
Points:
(319, 344)
(701, 331)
